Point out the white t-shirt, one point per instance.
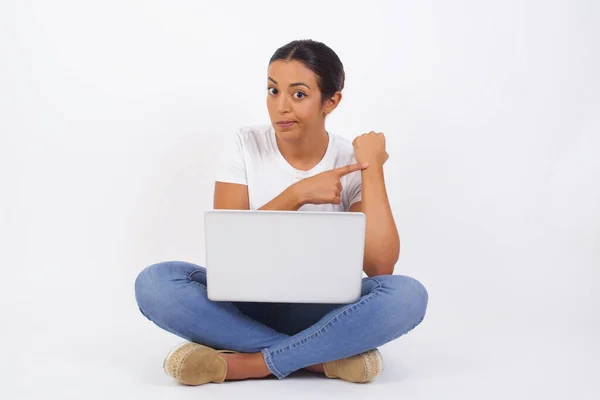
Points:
(251, 157)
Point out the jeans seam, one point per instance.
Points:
(368, 297)
(199, 284)
(270, 364)
(378, 282)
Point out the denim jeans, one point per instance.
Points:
(290, 336)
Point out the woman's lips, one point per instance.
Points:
(285, 124)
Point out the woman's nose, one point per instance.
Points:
(283, 104)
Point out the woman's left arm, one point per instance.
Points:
(382, 241)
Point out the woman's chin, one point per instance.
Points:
(288, 133)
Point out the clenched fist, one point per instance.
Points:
(370, 148)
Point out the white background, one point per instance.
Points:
(111, 114)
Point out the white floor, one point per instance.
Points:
(84, 351)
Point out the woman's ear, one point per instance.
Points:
(331, 103)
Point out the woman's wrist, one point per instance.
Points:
(374, 171)
(296, 195)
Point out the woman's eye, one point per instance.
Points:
(302, 95)
(272, 90)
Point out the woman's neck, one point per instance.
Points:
(307, 151)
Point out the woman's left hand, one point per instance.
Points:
(370, 148)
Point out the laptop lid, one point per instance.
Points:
(284, 256)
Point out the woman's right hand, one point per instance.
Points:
(324, 188)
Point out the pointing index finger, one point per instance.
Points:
(347, 169)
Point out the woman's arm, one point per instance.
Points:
(230, 196)
(382, 241)
(323, 188)
(286, 201)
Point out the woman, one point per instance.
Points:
(292, 164)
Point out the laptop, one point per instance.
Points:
(284, 256)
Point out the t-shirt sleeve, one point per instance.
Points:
(354, 186)
(231, 166)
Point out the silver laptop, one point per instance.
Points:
(284, 256)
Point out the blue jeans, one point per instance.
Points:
(290, 336)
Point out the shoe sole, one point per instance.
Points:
(194, 364)
(169, 357)
(373, 364)
(176, 357)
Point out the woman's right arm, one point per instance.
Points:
(323, 188)
(230, 196)
(233, 196)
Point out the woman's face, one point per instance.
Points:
(294, 96)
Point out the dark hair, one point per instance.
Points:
(320, 59)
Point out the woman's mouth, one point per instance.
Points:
(286, 124)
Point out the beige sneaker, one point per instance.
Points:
(194, 364)
(360, 368)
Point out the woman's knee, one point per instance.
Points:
(153, 281)
(409, 298)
